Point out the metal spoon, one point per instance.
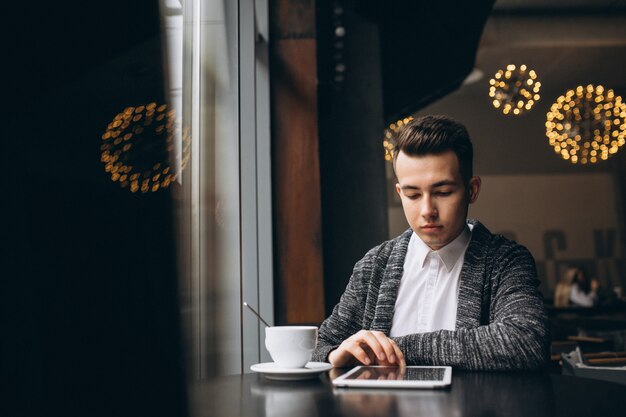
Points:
(256, 314)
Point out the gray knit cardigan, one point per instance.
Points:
(501, 321)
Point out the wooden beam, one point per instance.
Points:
(299, 278)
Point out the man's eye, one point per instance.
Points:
(444, 193)
(412, 196)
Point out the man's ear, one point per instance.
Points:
(474, 188)
(398, 189)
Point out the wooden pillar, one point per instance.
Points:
(354, 189)
(299, 278)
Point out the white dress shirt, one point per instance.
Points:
(428, 293)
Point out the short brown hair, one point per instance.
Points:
(436, 135)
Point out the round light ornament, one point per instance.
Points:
(587, 125)
(514, 90)
(389, 142)
(138, 148)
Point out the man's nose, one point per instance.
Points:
(429, 210)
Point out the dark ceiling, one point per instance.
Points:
(426, 49)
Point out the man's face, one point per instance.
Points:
(434, 198)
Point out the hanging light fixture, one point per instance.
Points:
(514, 90)
(587, 124)
(135, 153)
(389, 143)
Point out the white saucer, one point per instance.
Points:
(272, 371)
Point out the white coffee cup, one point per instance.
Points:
(291, 346)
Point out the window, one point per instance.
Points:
(221, 85)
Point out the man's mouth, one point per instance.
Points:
(428, 227)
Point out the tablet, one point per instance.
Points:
(394, 377)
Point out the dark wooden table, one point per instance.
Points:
(471, 394)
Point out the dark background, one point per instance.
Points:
(88, 302)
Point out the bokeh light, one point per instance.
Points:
(138, 148)
(514, 90)
(389, 142)
(587, 124)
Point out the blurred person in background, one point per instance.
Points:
(576, 289)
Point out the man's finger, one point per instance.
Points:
(373, 343)
(388, 347)
(359, 353)
(400, 360)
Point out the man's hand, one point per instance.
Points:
(368, 348)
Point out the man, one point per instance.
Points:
(447, 291)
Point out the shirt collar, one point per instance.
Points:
(449, 254)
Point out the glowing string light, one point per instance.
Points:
(587, 125)
(514, 90)
(138, 149)
(389, 142)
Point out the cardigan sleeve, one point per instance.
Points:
(516, 336)
(348, 315)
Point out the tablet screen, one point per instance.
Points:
(395, 377)
(392, 373)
